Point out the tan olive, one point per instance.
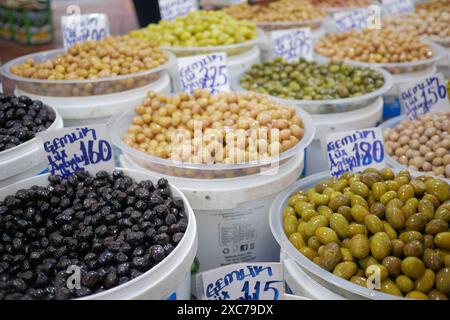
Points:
(395, 217)
(432, 259)
(373, 223)
(345, 269)
(330, 256)
(413, 267)
(413, 248)
(359, 246)
(435, 226)
(359, 213)
(356, 228)
(380, 245)
(397, 248)
(339, 224)
(417, 221)
(389, 287)
(442, 240)
(404, 283)
(437, 295)
(426, 282)
(416, 295)
(393, 265)
(326, 235)
(378, 209)
(443, 280)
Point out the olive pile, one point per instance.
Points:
(21, 118)
(376, 221)
(198, 29)
(308, 80)
(434, 5)
(341, 3)
(111, 227)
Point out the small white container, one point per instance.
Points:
(232, 213)
(168, 280)
(313, 279)
(99, 109)
(26, 159)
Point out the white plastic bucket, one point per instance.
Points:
(99, 109)
(170, 279)
(26, 159)
(369, 116)
(232, 214)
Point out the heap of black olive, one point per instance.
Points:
(21, 118)
(108, 226)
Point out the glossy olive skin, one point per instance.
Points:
(375, 221)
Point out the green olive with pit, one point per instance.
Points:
(442, 240)
(359, 246)
(404, 283)
(380, 245)
(413, 267)
(345, 269)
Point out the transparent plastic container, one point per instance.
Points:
(330, 106)
(323, 277)
(230, 50)
(80, 88)
(444, 42)
(284, 25)
(391, 123)
(401, 67)
(119, 124)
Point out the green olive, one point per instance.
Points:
(432, 259)
(389, 230)
(395, 217)
(346, 211)
(413, 267)
(379, 270)
(355, 228)
(346, 254)
(404, 283)
(443, 280)
(405, 192)
(437, 295)
(367, 262)
(417, 221)
(359, 213)
(359, 246)
(308, 252)
(426, 282)
(380, 245)
(393, 265)
(302, 205)
(435, 226)
(387, 174)
(359, 280)
(416, 295)
(330, 256)
(339, 201)
(360, 188)
(307, 214)
(378, 189)
(442, 240)
(378, 209)
(427, 208)
(373, 223)
(389, 287)
(288, 211)
(407, 236)
(326, 235)
(339, 224)
(397, 248)
(345, 269)
(297, 240)
(388, 196)
(438, 188)
(314, 243)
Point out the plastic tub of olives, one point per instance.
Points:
(118, 126)
(230, 50)
(438, 53)
(323, 277)
(80, 88)
(333, 105)
(391, 123)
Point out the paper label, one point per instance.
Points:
(204, 72)
(83, 27)
(292, 44)
(427, 95)
(172, 9)
(355, 150)
(397, 7)
(244, 281)
(69, 150)
(349, 20)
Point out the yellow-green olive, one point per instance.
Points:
(432, 259)
(336, 202)
(426, 207)
(389, 230)
(405, 192)
(346, 254)
(436, 226)
(307, 214)
(395, 217)
(339, 224)
(443, 280)
(359, 213)
(302, 205)
(438, 188)
(378, 189)
(417, 221)
(380, 245)
(308, 252)
(392, 185)
(360, 188)
(356, 228)
(314, 243)
(359, 246)
(379, 270)
(397, 248)
(437, 295)
(346, 211)
(356, 199)
(404, 283)
(388, 286)
(345, 269)
(326, 235)
(407, 236)
(297, 240)
(416, 295)
(359, 281)
(289, 211)
(413, 267)
(388, 196)
(373, 223)
(442, 240)
(413, 248)
(387, 174)
(426, 282)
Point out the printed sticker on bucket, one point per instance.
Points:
(355, 150)
(69, 150)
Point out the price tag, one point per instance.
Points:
(69, 150)
(349, 20)
(355, 150)
(397, 7)
(292, 44)
(428, 95)
(204, 72)
(244, 281)
(83, 27)
(171, 9)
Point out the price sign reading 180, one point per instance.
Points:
(355, 150)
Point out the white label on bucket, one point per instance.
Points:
(397, 7)
(204, 72)
(69, 150)
(427, 95)
(83, 27)
(292, 44)
(355, 150)
(172, 9)
(244, 281)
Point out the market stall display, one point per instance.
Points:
(20, 119)
(342, 230)
(106, 75)
(434, 5)
(127, 232)
(340, 5)
(419, 145)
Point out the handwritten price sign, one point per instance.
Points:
(256, 281)
(78, 149)
(355, 150)
(204, 72)
(348, 20)
(172, 9)
(292, 44)
(83, 27)
(428, 95)
(397, 7)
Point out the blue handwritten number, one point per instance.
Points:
(246, 291)
(267, 287)
(378, 151)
